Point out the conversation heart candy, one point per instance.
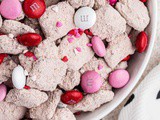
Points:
(71, 97)
(2, 56)
(119, 78)
(3, 92)
(91, 82)
(10, 9)
(98, 46)
(85, 18)
(18, 77)
(34, 8)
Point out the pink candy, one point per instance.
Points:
(91, 82)
(119, 78)
(59, 24)
(3, 92)
(112, 2)
(10, 9)
(98, 46)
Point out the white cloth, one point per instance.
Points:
(144, 103)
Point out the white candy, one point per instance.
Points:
(85, 18)
(18, 77)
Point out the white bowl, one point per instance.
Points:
(136, 67)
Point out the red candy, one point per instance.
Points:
(126, 58)
(27, 87)
(29, 39)
(2, 56)
(29, 54)
(143, 1)
(141, 42)
(88, 32)
(80, 31)
(72, 97)
(34, 8)
(65, 59)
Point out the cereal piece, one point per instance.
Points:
(118, 49)
(10, 46)
(135, 13)
(27, 98)
(122, 65)
(100, 3)
(46, 74)
(49, 107)
(15, 27)
(71, 80)
(88, 3)
(92, 101)
(10, 111)
(94, 64)
(26, 62)
(106, 86)
(51, 2)
(6, 69)
(109, 23)
(47, 49)
(33, 23)
(15, 58)
(50, 18)
(128, 29)
(76, 61)
(21, 17)
(80, 3)
(63, 114)
(75, 3)
(1, 21)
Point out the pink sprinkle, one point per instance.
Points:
(89, 44)
(76, 31)
(77, 35)
(70, 35)
(78, 49)
(100, 67)
(34, 57)
(70, 40)
(59, 24)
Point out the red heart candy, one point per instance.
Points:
(29, 54)
(34, 8)
(2, 56)
(29, 39)
(141, 42)
(72, 97)
(126, 58)
(143, 1)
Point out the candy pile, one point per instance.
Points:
(60, 58)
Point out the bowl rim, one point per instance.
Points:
(138, 76)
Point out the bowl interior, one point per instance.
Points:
(136, 68)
